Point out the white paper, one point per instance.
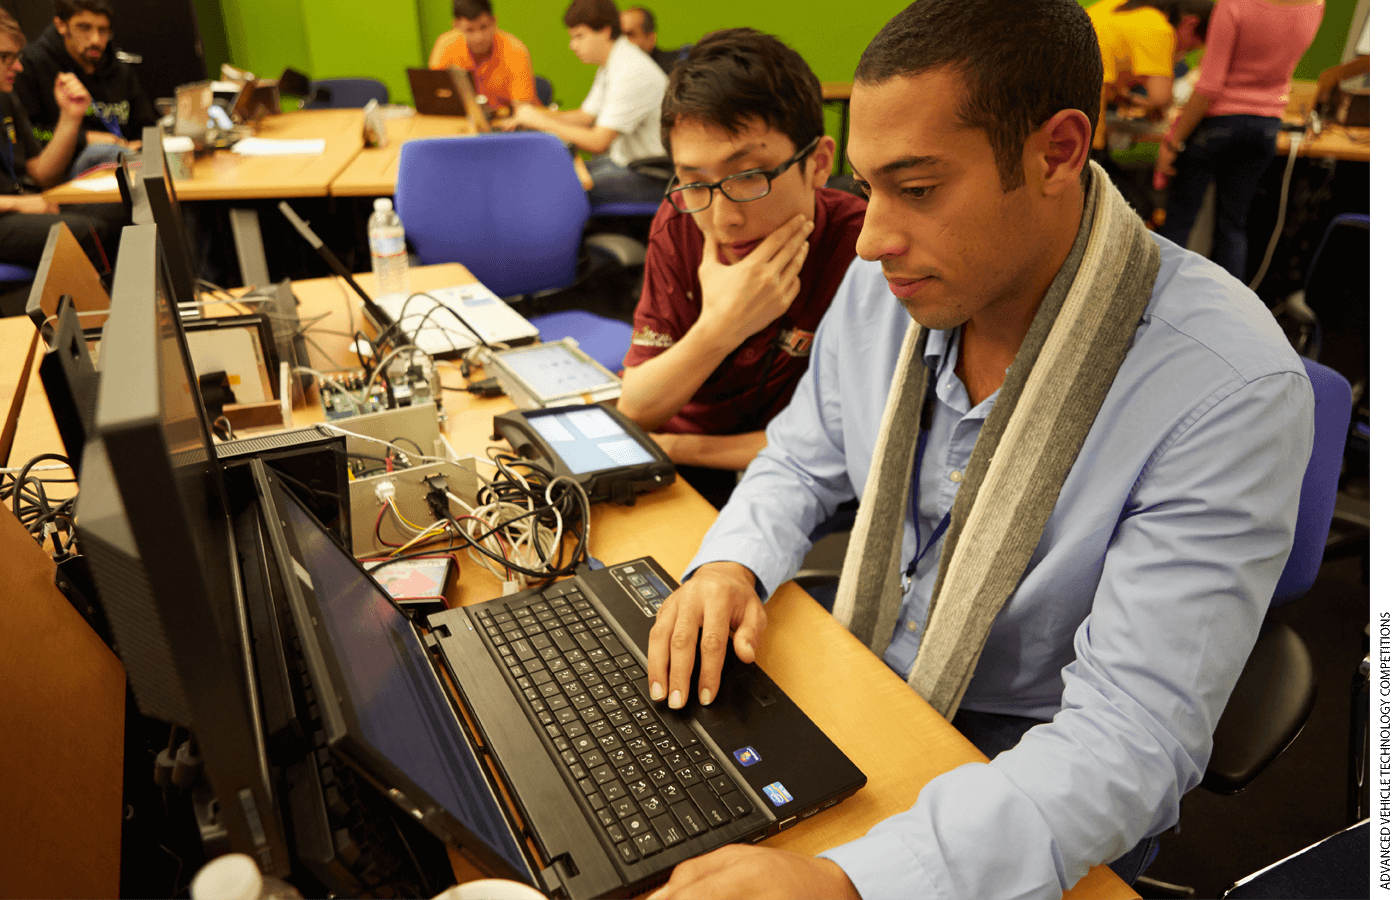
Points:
(97, 183)
(255, 146)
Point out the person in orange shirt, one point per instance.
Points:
(499, 63)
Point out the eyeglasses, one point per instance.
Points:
(740, 187)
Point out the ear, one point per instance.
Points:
(820, 163)
(61, 25)
(1059, 151)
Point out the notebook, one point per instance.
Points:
(600, 791)
(432, 320)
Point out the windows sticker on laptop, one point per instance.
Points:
(747, 756)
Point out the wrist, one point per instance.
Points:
(727, 570)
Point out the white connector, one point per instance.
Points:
(384, 491)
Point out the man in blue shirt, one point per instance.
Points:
(1104, 673)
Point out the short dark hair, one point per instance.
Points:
(67, 9)
(471, 9)
(1176, 10)
(595, 14)
(648, 19)
(1021, 62)
(737, 76)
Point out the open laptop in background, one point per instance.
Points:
(448, 92)
(600, 791)
(433, 320)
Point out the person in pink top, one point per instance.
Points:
(1226, 132)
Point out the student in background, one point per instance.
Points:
(742, 261)
(1228, 129)
(620, 120)
(499, 63)
(639, 26)
(25, 216)
(1141, 40)
(80, 42)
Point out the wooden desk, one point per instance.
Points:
(887, 730)
(225, 175)
(1333, 142)
(375, 170)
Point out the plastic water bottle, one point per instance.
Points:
(388, 253)
(234, 876)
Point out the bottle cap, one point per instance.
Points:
(233, 876)
(383, 204)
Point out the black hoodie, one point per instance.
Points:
(116, 93)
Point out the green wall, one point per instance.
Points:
(380, 38)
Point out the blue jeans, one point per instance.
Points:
(992, 733)
(94, 155)
(618, 184)
(1234, 152)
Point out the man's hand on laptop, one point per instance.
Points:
(717, 600)
(747, 284)
(756, 873)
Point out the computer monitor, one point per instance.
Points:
(153, 522)
(165, 213)
(192, 102)
(70, 382)
(133, 189)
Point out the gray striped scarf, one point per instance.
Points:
(1051, 395)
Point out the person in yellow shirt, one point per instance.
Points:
(499, 63)
(1141, 40)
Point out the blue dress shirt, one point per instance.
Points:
(1139, 606)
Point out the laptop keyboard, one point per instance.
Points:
(639, 770)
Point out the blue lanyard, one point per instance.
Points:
(906, 580)
(110, 121)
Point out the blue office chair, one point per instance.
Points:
(510, 208)
(14, 288)
(1275, 693)
(544, 89)
(345, 93)
(507, 206)
(604, 339)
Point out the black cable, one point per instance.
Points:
(416, 448)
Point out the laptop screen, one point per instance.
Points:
(392, 691)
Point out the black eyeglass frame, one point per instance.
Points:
(674, 187)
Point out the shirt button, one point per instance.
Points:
(911, 626)
(956, 477)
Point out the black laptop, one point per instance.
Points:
(563, 773)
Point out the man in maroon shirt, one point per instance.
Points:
(743, 258)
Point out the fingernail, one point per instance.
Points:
(705, 697)
(747, 648)
(657, 691)
(676, 700)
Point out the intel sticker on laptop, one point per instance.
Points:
(747, 756)
(777, 794)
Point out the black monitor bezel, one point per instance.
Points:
(164, 206)
(205, 630)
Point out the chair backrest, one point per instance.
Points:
(346, 93)
(11, 273)
(544, 89)
(507, 206)
(1331, 417)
